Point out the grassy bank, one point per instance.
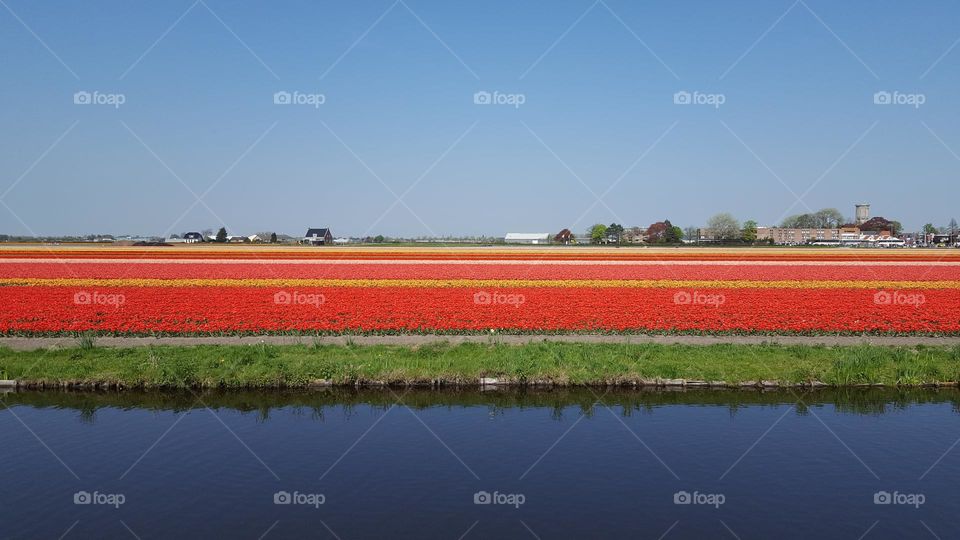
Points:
(210, 366)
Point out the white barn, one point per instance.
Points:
(527, 238)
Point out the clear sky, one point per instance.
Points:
(787, 119)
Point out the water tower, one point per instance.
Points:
(862, 213)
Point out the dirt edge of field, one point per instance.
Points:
(414, 340)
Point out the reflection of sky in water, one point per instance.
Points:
(382, 469)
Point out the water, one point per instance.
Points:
(409, 464)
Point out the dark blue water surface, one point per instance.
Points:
(555, 463)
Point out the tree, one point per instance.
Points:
(378, 238)
(952, 227)
(825, 218)
(673, 235)
(691, 233)
(929, 228)
(597, 233)
(273, 238)
(801, 221)
(615, 230)
(880, 223)
(222, 235)
(657, 232)
(828, 218)
(749, 232)
(724, 227)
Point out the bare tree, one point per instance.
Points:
(724, 226)
(828, 218)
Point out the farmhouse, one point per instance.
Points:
(527, 238)
(192, 237)
(318, 237)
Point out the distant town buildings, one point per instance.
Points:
(823, 228)
(843, 236)
(784, 236)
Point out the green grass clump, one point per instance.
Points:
(263, 365)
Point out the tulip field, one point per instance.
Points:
(204, 289)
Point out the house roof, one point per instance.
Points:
(316, 232)
(192, 235)
(527, 236)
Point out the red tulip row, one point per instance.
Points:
(51, 309)
(446, 270)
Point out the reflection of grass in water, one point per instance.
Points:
(264, 365)
(558, 403)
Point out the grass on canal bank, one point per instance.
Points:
(253, 366)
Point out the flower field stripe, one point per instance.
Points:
(499, 254)
(482, 283)
(478, 262)
(239, 270)
(177, 310)
(235, 289)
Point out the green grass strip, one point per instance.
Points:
(266, 366)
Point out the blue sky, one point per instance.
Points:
(398, 119)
